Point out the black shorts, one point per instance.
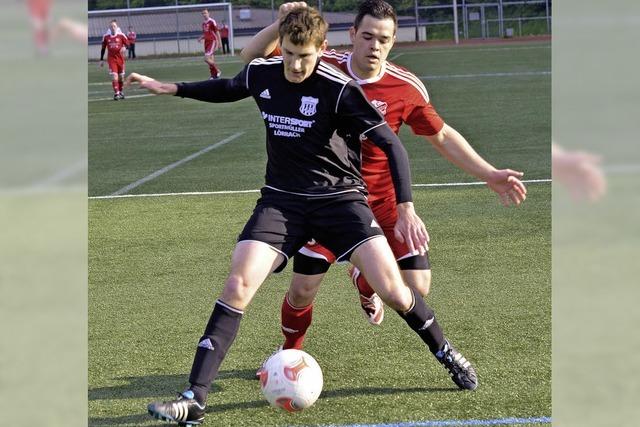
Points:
(286, 222)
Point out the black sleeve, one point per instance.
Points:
(218, 90)
(102, 54)
(361, 118)
(398, 159)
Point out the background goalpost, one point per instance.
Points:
(159, 26)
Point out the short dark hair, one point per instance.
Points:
(304, 25)
(378, 9)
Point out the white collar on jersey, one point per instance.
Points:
(373, 79)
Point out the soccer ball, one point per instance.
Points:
(291, 380)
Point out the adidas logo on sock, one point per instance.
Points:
(265, 94)
(206, 343)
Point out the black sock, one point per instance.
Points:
(420, 315)
(220, 332)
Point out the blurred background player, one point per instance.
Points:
(39, 14)
(211, 37)
(401, 98)
(116, 42)
(224, 34)
(131, 36)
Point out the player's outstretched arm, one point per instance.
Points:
(263, 43)
(153, 86)
(504, 182)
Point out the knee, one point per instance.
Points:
(237, 288)
(421, 283)
(301, 294)
(399, 298)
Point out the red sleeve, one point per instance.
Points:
(275, 52)
(424, 119)
(125, 40)
(419, 113)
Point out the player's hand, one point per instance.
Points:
(153, 86)
(101, 64)
(285, 8)
(507, 185)
(410, 229)
(580, 172)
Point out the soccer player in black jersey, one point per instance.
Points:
(313, 189)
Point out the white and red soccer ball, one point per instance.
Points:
(291, 380)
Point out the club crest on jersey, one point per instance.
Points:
(380, 105)
(308, 105)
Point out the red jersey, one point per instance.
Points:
(209, 29)
(400, 97)
(224, 31)
(131, 36)
(39, 8)
(114, 44)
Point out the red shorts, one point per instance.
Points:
(116, 65)
(209, 47)
(386, 214)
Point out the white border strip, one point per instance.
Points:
(212, 193)
(174, 165)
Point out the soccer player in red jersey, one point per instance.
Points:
(39, 13)
(400, 97)
(116, 42)
(132, 36)
(211, 37)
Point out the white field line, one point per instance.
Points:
(428, 51)
(128, 97)
(211, 193)
(473, 76)
(623, 169)
(61, 175)
(174, 165)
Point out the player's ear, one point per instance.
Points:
(352, 34)
(324, 45)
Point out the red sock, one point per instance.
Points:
(213, 70)
(120, 85)
(363, 286)
(116, 86)
(295, 322)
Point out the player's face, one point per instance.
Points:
(371, 44)
(113, 27)
(299, 61)
(205, 14)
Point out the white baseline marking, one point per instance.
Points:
(175, 165)
(128, 97)
(211, 193)
(473, 76)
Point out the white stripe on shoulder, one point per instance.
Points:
(409, 78)
(333, 71)
(339, 56)
(332, 77)
(267, 61)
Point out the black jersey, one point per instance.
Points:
(300, 119)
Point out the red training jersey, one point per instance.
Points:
(209, 29)
(114, 43)
(39, 8)
(400, 97)
(131, 36)
(224, 31)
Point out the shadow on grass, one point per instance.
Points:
(153, 386)
(178, 380)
